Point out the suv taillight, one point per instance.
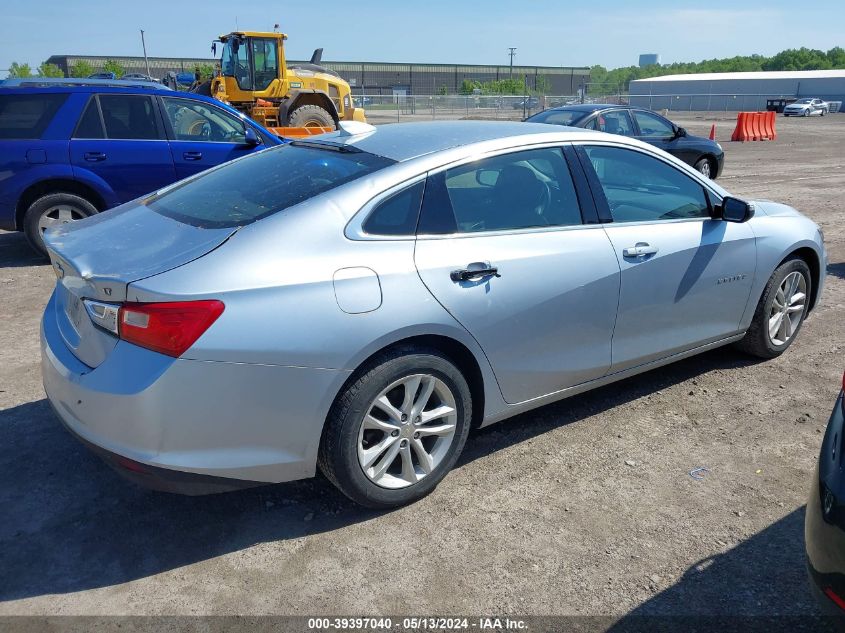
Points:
(168, 328)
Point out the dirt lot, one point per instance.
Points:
(543, 515)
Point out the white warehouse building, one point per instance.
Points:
(748, 91)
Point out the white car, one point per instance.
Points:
(807, 107)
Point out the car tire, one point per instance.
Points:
(358, 449)
(759, 340)
(54, 209)
(705, 167)
(806, 113)
(311, 116)
(824, 112)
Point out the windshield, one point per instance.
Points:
(804, 101)
(558, 117)
(235, 62)
(261, 184)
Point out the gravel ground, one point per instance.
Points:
(581, 507)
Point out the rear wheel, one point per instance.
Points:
(780, 311)
(52, 210)
(398, 429)
(311, 116)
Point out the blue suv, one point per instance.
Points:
(69, 151)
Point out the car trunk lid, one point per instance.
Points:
(96, 259)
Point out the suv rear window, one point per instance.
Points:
(264, 183)
(27, 115)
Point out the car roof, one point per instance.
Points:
(132, 87)
(405, 141)
(592, 107)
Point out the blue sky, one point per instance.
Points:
(545, 32)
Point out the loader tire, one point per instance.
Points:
(311, 116)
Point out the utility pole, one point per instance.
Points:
(512, 52)
(144, 46)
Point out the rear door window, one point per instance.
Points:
(520, 190)
(90, 124)
(26, 116)
(398, 214)
(130, 117)
(615, 122)
(263, 183)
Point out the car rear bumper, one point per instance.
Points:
(162, 419)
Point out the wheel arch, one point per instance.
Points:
(307, 97)
(55, 185)
(463, 358)
(813, 261)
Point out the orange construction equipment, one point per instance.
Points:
(713, 132)
(754, 126)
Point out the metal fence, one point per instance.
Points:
(711, 102)
(402, 108)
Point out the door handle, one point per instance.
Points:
(192, 155)
(94, 157)
(640, 250)
(475, 270)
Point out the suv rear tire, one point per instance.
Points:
(54, 209)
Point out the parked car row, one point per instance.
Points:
(420, 272)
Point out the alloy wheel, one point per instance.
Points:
(704, 168)
(407, 431)
(787, 308)
(58, 215)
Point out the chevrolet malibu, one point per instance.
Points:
(357, 301)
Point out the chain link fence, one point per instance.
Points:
(404, 108)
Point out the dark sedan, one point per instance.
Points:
(703, 154)
(824, 528)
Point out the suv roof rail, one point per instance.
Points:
(40, 82)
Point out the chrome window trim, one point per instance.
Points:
(505, 232)
(354, 229)
(685, 169)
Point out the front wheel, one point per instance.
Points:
(311, 116)
(705, 167)
(780, 311)
(397, 430)
(53, 210)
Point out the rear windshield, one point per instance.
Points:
(27, 115)
(262, 184)
(558, 117)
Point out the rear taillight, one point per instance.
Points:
(167, 328)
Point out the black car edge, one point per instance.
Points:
(824, 522)
(701, 153)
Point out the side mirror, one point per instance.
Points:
(680, 132)
(734, 210)
(251, 138)
(214, 48)
(487, 177)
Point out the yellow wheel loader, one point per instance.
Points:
(298, 100)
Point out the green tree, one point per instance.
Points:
(206, 72)
(468, 86)
(49, 70)
(112, 66)
(20, 70)
(81, 69)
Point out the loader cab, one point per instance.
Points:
(250, 64)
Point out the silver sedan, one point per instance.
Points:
(359, 300)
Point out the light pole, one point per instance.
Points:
(511, 52)
(144, 46)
